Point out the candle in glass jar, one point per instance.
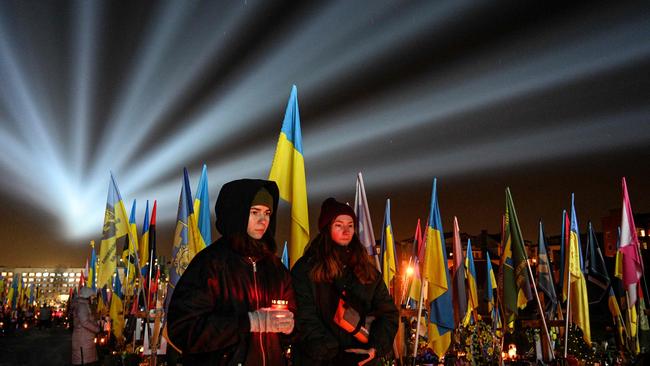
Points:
(279, 304)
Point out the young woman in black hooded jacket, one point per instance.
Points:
(221, 309)
(345, 314)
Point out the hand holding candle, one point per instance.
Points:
(274, 319)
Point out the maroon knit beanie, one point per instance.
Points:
(330, 209)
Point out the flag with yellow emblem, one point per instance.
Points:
(116, 226)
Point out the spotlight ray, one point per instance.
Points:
(423, 103)
(128, 109)
(570, 139)
(84, 39)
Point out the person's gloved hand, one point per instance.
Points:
(271, 320)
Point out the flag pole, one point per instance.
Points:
(568, 303)
(417, 326)
(630, 339)
(541, 310)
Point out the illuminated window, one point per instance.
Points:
(45, 274)
(31, 274)
(3, 274)
(65, 274)
(39, 274)
(71, 280)
(78, 274)
(31, 279)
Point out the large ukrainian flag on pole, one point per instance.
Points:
(288, 171)
(116, 226)
(436, 274)
(579, 304)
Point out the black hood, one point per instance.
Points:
(234, 203)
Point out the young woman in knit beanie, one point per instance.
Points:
(345, 314)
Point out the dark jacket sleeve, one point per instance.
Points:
(199, 320)
(384, 328)
(313, 336)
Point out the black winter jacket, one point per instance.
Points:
(208, 312)
(321, 341)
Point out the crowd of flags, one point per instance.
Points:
(433, 286)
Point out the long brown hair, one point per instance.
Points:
(329, 266)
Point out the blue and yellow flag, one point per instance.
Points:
(489, 293)
(202, 209)
(185, 237)
(388, 254)
(117, 309)
(92, 267)
(130, 253)
(116, 226)
(578, 302)
(470, 273)
(143, 247)
(436, 274)
(14, 290)
(288, 171)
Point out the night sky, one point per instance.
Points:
(547, 99)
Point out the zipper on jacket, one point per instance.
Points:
(257, 296)
(257, 306)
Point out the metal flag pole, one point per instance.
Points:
(568, 304)
(423, 286)
(541, 310)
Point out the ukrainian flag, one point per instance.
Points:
(117, 308)
(116, 225)
(579, 304)
(489, 293)
(288, 171)
(130, 253)
(388, 257)
(436, 273)
(470, 273)
(202, 209)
